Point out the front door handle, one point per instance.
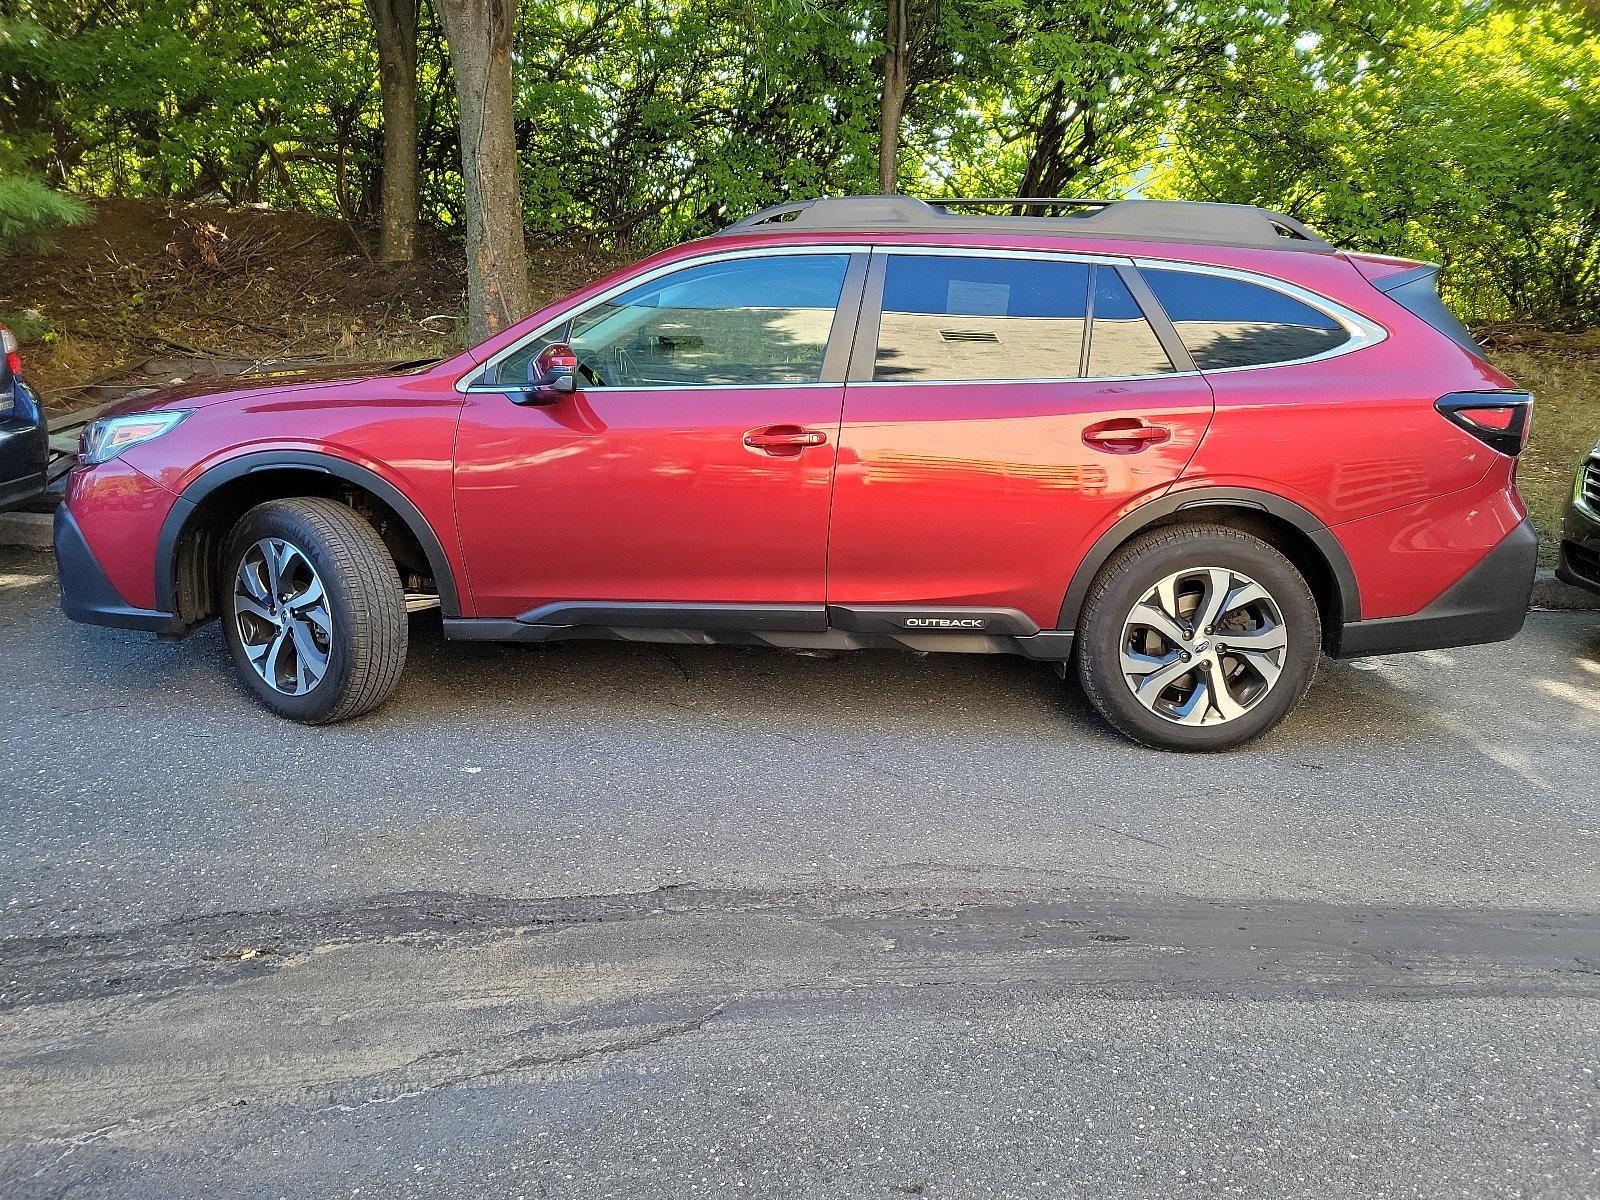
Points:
(1124, 435)
(784, 441)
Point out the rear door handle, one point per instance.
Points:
(784, 441)
(1124, 435)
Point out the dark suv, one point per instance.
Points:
(1580, 531)
(24, 444)
(1192, 446)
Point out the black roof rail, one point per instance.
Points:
(1159, 220)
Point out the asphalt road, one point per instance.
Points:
(619, 921)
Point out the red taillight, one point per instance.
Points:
(1500, 420)
(8, 345)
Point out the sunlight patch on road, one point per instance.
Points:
(1585, 700)
(10, 580)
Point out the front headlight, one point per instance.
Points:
(108, 437)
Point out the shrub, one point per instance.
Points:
(30, 213)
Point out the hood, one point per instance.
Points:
(199, 393)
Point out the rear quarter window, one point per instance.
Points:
(1227, 322)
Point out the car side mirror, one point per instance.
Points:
(552, 375)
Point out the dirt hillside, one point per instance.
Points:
(147, 279)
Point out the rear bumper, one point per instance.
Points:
(24, 446)
(87, 595)
(1487, 604)
(1580, 547)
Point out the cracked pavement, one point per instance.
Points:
(619, 921)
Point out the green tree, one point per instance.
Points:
(31, 213)
(1464, 135)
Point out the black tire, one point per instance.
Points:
(1137, 568)
(365, 600)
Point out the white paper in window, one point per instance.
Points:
(969, 299)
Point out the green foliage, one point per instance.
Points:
(644, 123)
(30, 213)
(1070, 97)
(1461, 131)
(1459, 134)
(225, 99)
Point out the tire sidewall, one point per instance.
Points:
(273, 521)
(1126, 580)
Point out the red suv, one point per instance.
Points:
(1192, 446)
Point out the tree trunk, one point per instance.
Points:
(480, 37)
(896, 77)
(396, 25)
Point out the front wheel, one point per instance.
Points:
(313, 610)
(1197, 638)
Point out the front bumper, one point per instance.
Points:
(87, 595)
(1580, 546)
(1487, 604)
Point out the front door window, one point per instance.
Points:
(738, 322)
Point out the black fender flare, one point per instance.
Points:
(1246, 499)
(306, 460)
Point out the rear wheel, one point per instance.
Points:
(1197, 638)
(313, 610)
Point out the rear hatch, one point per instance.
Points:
(1497, 417)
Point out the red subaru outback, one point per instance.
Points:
(1192, 446)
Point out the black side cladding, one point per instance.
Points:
(1417, 291)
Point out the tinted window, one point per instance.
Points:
(980, 318)
(742, 321)
(1121, 342)
(1231, 323)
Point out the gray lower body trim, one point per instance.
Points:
(784, 626)
(629, 615)
(89, 596)
(1487, 604)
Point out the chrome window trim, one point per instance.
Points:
(1363, 332)
(468, 382)
(878, 383)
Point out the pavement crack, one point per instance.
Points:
(529, 1062)
(1314, 889)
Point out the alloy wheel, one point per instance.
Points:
(281, 611)
(1203, 646)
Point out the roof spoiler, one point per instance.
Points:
(1417, 291)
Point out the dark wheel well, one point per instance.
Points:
(197, 558)
(1287, 539)
(1284, 535)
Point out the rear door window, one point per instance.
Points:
(968, 317)
(1121, 343)
(1227, 322)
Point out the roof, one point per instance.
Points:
(1159, 220)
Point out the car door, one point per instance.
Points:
(1003, 409)
(694, 465)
